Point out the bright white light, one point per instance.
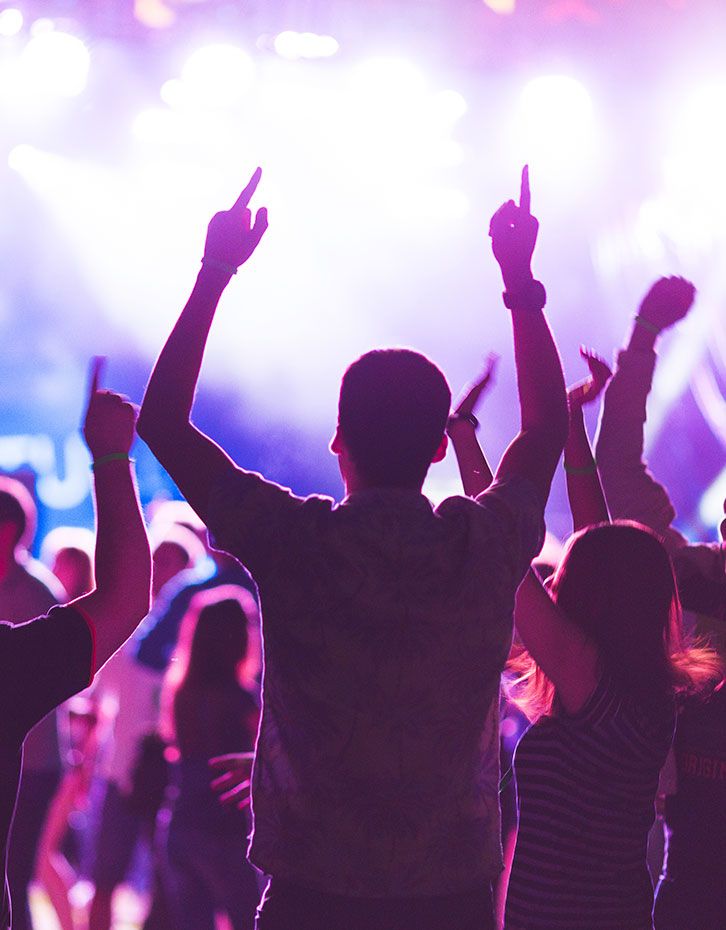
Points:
(11, 22)
(448, 105)
(694, 167)
(172, 92)
(294, 45)
(505, 7)
(555, 123)
(55, 63)
(41, 26)
(391, 78)
(218, 75)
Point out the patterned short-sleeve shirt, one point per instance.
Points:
(386, 625)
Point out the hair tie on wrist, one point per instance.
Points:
(111, 457)
(585, 470)
(646, 324)
(220, 266)
(461, 418)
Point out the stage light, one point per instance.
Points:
(293, 45)
(218, 75)
(694, 166)
(555, 124)
(505, 7)
(11, 22)
(388, 79)
(448, 106)
(55, 63)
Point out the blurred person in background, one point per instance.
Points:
(51, 657)
(128, 695)
(209, 708)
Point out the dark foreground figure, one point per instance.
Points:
(46, 660)
(386, 621)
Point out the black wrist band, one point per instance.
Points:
(529, 296)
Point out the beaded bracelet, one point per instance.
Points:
(585, 470)
(646, 324)
(111, 457)
(220, 266)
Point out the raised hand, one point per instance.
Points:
(585, 392)
(232, 783)
(473, 392)
(667, 302)
(231, 235)
(513, 232)
(110, 420)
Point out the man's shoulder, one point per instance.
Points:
(29, 591)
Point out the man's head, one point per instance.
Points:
(392, 413)
(18, 514)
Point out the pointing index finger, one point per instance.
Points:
(525, 200)
(246, 195)
(96, 370)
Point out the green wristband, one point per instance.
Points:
(646, 324)
(574, 470)
(111, 457)
(219, 265)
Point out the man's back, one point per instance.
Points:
(386, 626)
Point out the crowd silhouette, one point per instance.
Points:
(292, 723)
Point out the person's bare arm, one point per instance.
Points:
(120, 599)
(193, 460)
(535, 451)
(631, 490)
(476, 475)
(559, 648)
(584, 490)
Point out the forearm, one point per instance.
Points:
(541, 384)
(584, 490)
(476, 475)
(170, 392)
(123, 558)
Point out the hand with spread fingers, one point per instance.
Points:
(586, 391)
(473, 392)
(232, 237)
(513, 232)
(110, 420)
(232, 781)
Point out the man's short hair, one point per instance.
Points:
(17, 507)
(392, 413)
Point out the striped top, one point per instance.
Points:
(586, 786)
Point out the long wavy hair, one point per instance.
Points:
(218, 645)
(616, 583)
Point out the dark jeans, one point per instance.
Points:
(687, 904)
(285, 906)
(34, 797)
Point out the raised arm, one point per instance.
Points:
(192, 459)
(476, 475)
(120, 599)
(631, 490)
(587, 501)
(535, 451)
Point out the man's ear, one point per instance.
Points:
(441, 451)
(336, 443)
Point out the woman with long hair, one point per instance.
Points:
(599, 663)
(209, 709)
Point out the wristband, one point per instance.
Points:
(646, 324)
(585, 470)
(220, 266)
(529, 296)
(111, 457)
(461, 418)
